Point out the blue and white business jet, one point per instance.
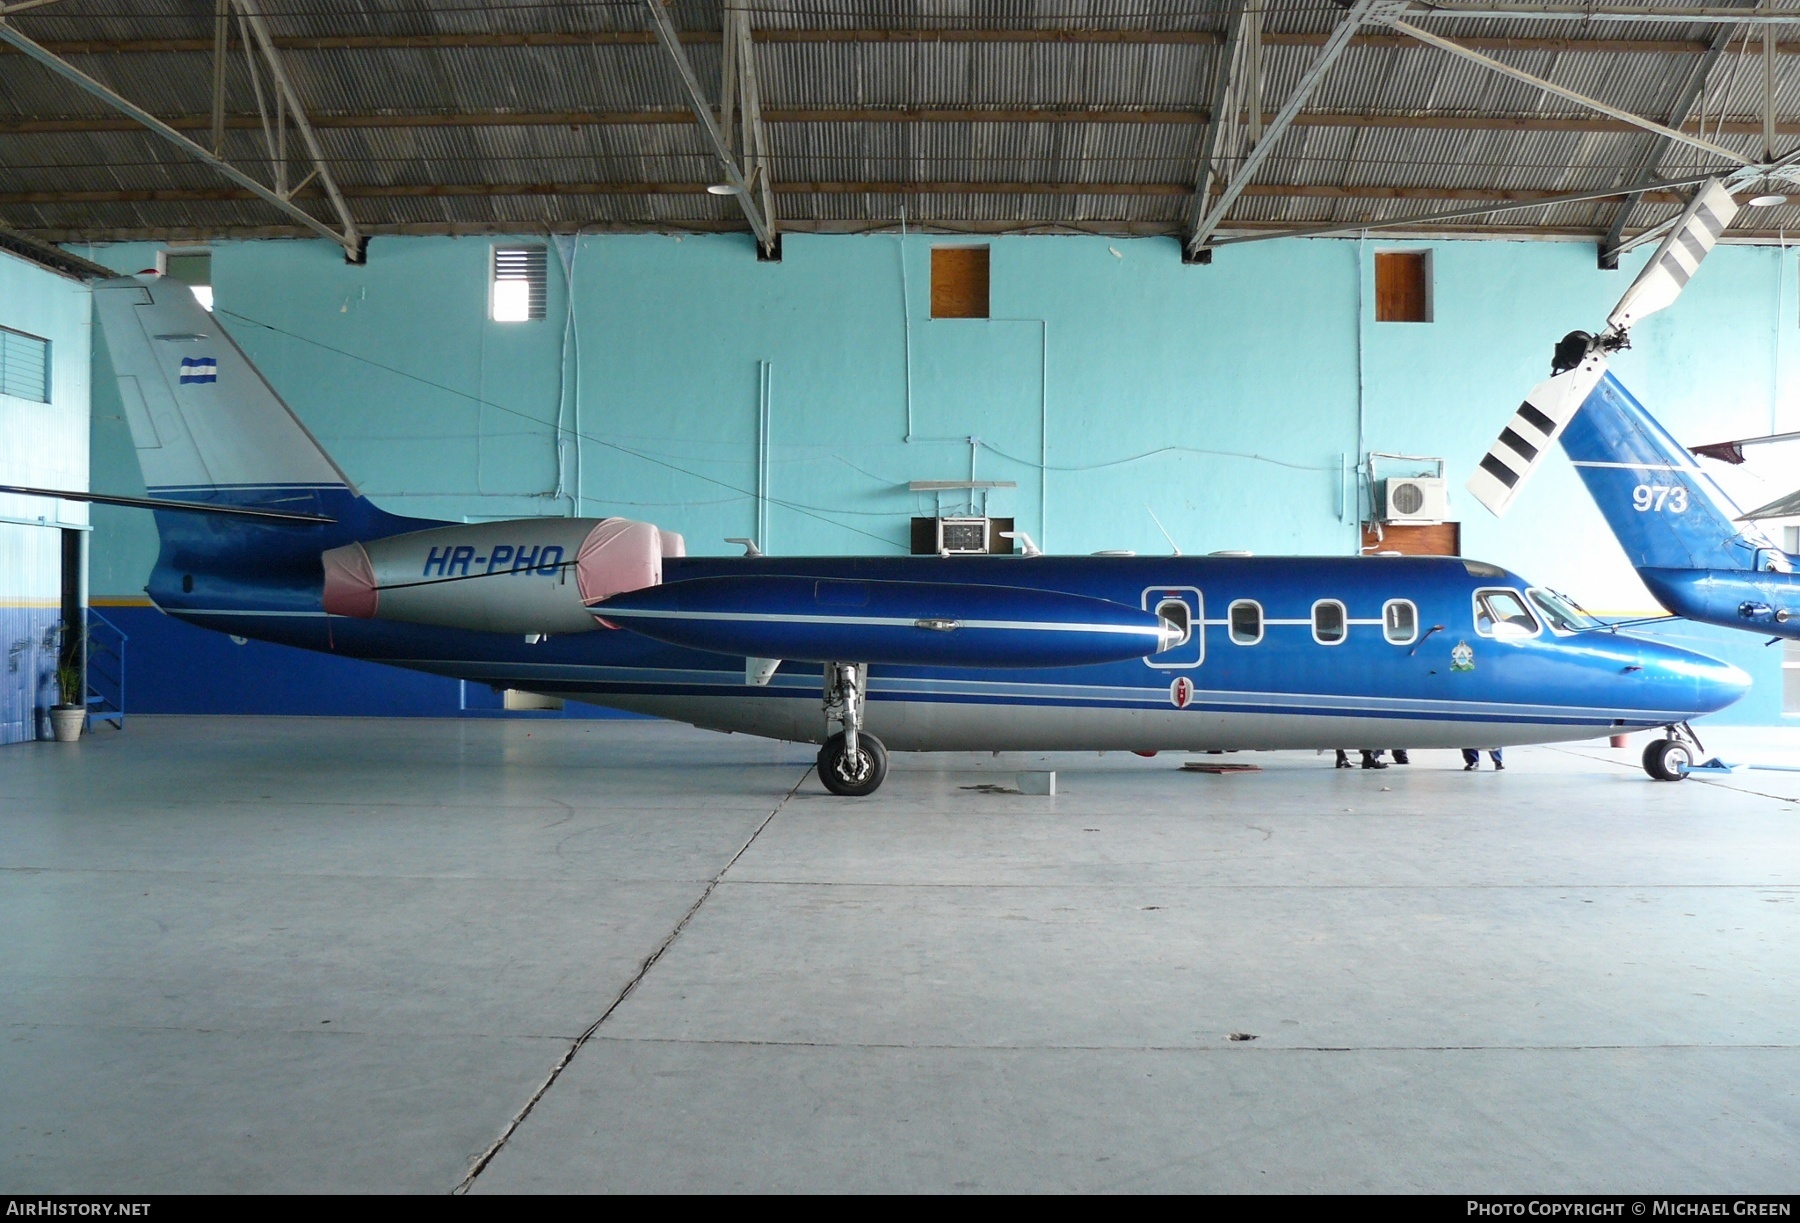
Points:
(263, 536)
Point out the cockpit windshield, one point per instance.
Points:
(1502, 613)
(1564, 614)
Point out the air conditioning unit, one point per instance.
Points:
(962, 536)
(1415, 499)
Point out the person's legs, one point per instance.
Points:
(1471, 759)
(1495, 757)
(1400, 756)
(1371, 758)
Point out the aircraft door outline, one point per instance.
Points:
(1190, 652)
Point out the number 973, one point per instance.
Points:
(1671, 497)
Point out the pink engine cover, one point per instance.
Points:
(617, 556)
(350, 583)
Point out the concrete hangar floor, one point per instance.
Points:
(318, 954)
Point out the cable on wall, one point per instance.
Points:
(814, 512)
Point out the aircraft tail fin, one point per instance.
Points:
(207, 427)
(1666, 511)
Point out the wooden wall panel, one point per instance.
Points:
(959, 282)
(1402, 287)
(1415, 539)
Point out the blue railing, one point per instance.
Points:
(105, 671)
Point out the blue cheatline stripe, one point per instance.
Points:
(242, 488)
(684, 682)
(1048, 626)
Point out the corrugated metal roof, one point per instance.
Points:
(587, 125)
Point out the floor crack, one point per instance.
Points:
(487, 1156)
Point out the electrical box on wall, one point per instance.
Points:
(1413, 499)
(963, 535)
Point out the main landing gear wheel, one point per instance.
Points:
(1668, 759)
(853, 762)
(853, 776)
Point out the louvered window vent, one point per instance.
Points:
(24, 366)
(518, 293)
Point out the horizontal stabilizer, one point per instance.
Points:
(1539, 421)
(157, 503)
(933, 624)
(1667, 273)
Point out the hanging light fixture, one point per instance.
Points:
(1768, 201)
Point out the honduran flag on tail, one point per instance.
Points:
(199, 369)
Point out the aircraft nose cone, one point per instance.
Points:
(1713, 682)
(1727, 683)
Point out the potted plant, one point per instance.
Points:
(69, 716)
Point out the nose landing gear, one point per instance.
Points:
(1669, 759)
(853, 763)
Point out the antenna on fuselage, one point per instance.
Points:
(1173, 546)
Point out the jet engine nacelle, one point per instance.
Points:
(526, 575)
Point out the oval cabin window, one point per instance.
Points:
(1400, 621)
(1175, 614)
(1328, 622)
(1246, 622)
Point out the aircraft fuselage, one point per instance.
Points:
(1283, 652)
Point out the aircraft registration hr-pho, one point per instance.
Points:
(262, 535)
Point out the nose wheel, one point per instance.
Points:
(1669, 759)
(853, 763)
(856, 772)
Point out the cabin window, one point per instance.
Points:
(1180, 607)
(1328, 621)
(1502, 613)
(1175, 612)
(959, 282)
(1400, 621)
(1246, 618)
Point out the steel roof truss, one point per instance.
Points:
(10, 34)
(1459, 214)
(1360, 11)
(1645, 171)
(1221, 120)
(287, 98)
(1519, 74)
(739, 90)
(703, 112)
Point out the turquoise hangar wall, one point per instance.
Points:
(680, 380)
(45, 364)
